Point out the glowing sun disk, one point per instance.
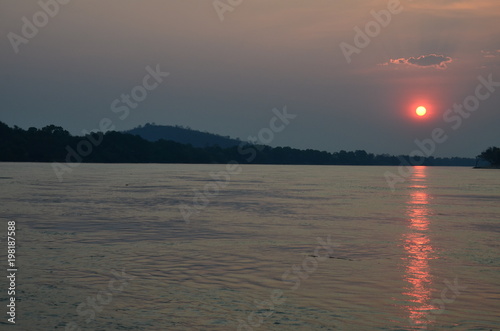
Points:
(421, 111)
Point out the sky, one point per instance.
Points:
(352, 71)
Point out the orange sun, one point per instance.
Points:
(421, 111)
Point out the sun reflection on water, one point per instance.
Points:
(419, 251)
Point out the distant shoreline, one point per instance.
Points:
(490, 167)
(54, 144)
(264, 164)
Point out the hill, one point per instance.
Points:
(183, 135)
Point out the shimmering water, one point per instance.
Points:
(424, 256)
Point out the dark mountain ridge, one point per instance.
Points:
(183, 135)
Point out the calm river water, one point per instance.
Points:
(265, 248)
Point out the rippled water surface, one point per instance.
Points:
(269, 248)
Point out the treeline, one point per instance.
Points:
(54, 144)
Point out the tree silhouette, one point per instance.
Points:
(492, 155)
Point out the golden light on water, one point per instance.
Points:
(419, 251)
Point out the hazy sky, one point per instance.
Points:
(227, 75)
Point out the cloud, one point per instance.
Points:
(423, 61)
(491, 58)
(491, 54)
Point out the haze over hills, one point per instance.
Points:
(183, 135)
